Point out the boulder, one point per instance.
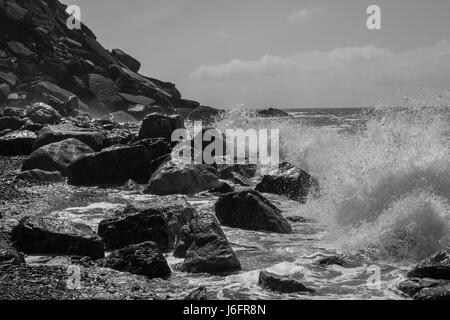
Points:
(43, 114)
(160, 126)
(11, 123)
(142, 259)
(41, 175)
(130, 62)
(14, 112)
(17, 143)
(249, 210)
(40, 235)
(413, 286)
(9, 255)
(245, 170)
(437, 266)
(222, 188)
(199, 294)
(441, 292)
(56, 156)
(290, 182)
(205, 247)
(112, 166)
(271, 112)
(56, 133)
(281, 284)
(173, 178)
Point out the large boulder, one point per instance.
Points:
(17, 143)
(130, 62)
(9, 255)
(56, 156)
(40, 235)
(205, 246)
(112, 166)
(436, 266)
(142, 259)
(56, 133)
(43, 114)
(173, 178)
(160, 126)
(281, 284)
(249, 210)
(289, 181)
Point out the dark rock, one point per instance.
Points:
(436, 266)
(43, 114)
(188, 104)
(9, 255)
(271, 112)
(126, 59)
(173, 178)
(53, 90)
(249, 210)
(142, 259)
(204, 114)
(56, 133)
(199, 294)
(441, 292)
(160, 126)
(40, 175)
(332, 260)
(281, 284)
(298, 219)
(56, 156)
(156, 148)
(12, 123)
(14, 112)
(205, 247)
(17, 143)
(111, 166)
(245, 170)
(413, 286)
(8, 78)
(104, 88)
(38, 235)
(222, 188)
(31, 126)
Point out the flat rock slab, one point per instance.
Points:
(282, 284)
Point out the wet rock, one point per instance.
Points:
(413, 286)
(222, 188)
(142, 259)
(249, 210)
(293, 183)
(281, 284)
(8, 78)
(271, 112)
(331, 260)
(43, 114)
(205, 247)
(156, 148)
(245, 170)
(39, 235)
(9, 255)
(173, 178)
(56, 133)
(56, 156)
(112, 166)
(437, 266)
(41, 175)
(160, 126)
(441, 292)
(17, 143)
(11, 123)
(199, 294)
(130, 62)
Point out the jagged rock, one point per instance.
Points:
(41, 175)
(281, 284)
(56, 133)
(271, 112)
(126, 59)
(199, 294)
(56, 156)
(441, 292)
(39, 235)
(101, 55)
(331, 260)
(205, 247)
(436, 266)
(11, 123)
(187, 104)
(160, 126)
(17, 143)
(56, 92)
(9, 255)
(249, 210)
(43, 114)
(141, 259)
(112, 166)
(173, 178)
(291, 182)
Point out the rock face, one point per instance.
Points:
(289, 181)
(37, 235)
(56, 156)
(9, 255)
(249, 210)
(56, 133)
(281, 284)
(142, 259)
(160, 126)
(17, 143)
(205, 247)
(112, 166)
(172, 178)
(436, 266)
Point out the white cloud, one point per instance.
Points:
(342, 75)
(299, 16)
(222, 34)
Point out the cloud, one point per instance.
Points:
(339, 76)
(221, 34)
(299, 16)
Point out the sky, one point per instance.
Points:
(281, 53)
